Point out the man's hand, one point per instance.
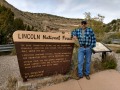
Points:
(74, 38)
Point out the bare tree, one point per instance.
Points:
(87, 15)
(101, 18)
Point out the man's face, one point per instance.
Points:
(83, 25)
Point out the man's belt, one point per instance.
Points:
(84, 46)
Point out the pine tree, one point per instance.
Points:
(8, 25)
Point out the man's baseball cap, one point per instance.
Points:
(83, 22)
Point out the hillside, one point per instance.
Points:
(47, 22)
(114, 26)
(53, 23)
(43, 22)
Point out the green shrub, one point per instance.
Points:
(118, 51)
(107, 40)
(110, 62)
(99, 65)
(110, 37)
(115, 36)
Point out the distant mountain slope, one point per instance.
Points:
(114, 26)
(44, 22)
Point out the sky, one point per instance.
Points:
(71, 8)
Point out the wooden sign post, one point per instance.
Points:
(43, 53)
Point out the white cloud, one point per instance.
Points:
(71, 8)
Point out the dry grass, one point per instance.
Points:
(113, 47)
(54, 80)
(11, 84)
(96, 66)
(23, 88)
(73, 72)
(13, 52)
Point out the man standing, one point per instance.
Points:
(87, 41)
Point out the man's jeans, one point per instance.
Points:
(84, 53)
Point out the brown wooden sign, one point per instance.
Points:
(43, 54)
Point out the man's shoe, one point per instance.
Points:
(87, 77)
(78, 78)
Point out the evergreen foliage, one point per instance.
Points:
(8, 25)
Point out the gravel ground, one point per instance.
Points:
(9, 67)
